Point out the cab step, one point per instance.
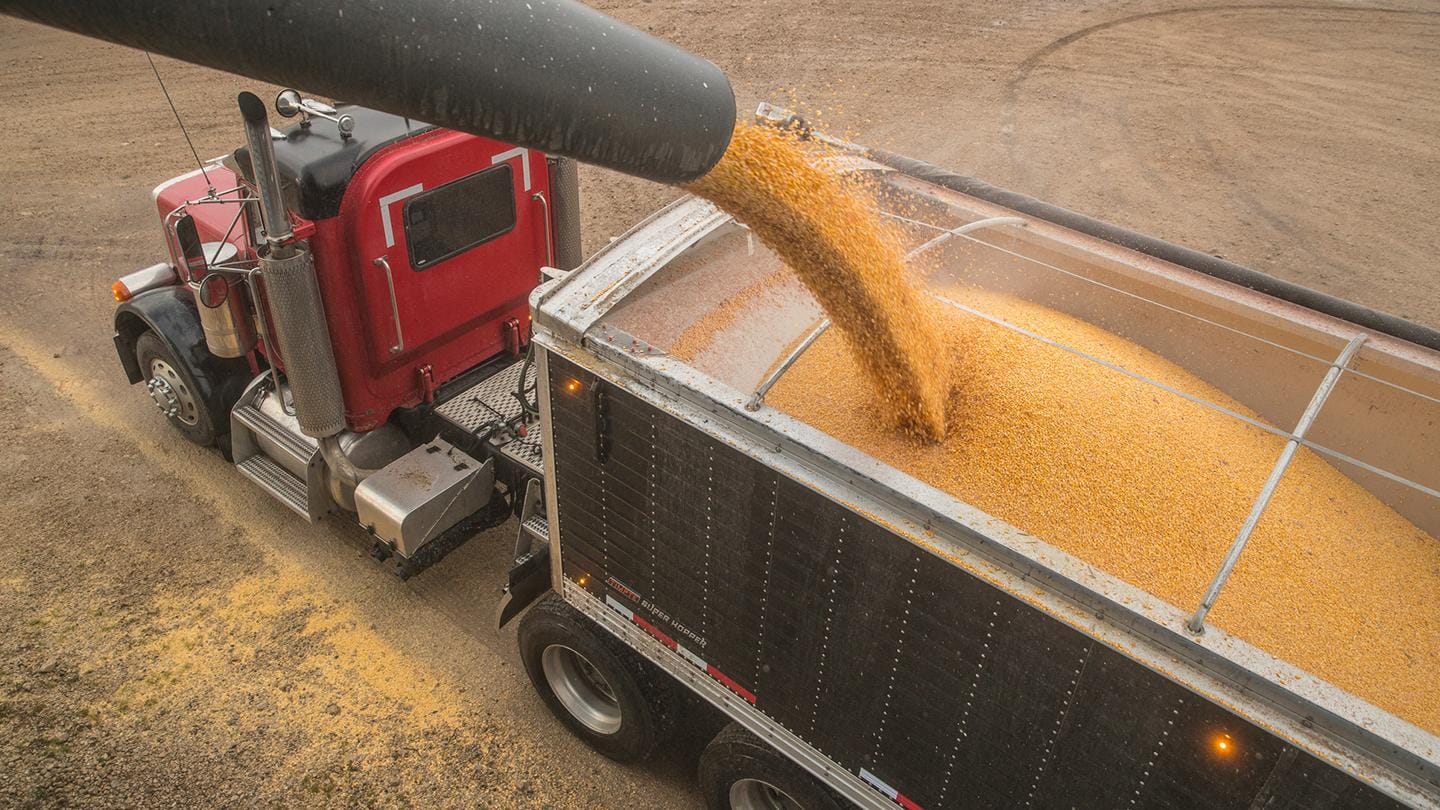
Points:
(296, 449)
(270, 450)
(537, 527)
(278, 481)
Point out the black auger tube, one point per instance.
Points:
(547, 74)
(1175, 254)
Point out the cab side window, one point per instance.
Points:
(448, 220)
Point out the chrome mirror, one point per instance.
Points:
(288, 103)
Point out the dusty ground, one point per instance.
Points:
(169, 636)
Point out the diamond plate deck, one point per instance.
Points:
(490, 400)
(527, 451)
(493, 400)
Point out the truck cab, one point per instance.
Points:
(425, 242)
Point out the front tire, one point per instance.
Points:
(607, 695)
(171, 385)
(738, 771)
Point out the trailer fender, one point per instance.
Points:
(171, 314)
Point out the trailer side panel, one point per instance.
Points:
(933, 686)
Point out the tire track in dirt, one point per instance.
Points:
(1232, 129)
(1010, 95)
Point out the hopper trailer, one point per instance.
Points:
(348, 320)
(900, 645)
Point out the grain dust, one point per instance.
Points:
(692, 341)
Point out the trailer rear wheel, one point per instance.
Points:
(171, 385)
(739, 771)
(602, 690)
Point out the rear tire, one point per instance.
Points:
(171, 381)
(739, 771)
(608, 696)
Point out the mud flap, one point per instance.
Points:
(529, 579)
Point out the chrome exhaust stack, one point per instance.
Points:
(293, 294)
(266, 176)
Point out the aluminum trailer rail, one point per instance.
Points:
(901, 645)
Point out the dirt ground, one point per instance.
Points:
(170, 636)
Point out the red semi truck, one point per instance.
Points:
(426, 244)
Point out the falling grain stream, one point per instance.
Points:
(852, 263)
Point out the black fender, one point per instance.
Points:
(171, 313)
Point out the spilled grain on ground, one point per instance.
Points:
(272, 663)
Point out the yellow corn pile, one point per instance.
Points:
(1152, 488)
(849, 260)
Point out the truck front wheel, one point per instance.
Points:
(738, 771)
(602, 690)
(172, 388)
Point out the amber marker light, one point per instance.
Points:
(1224, 746)
(572, 386)
(120, 291)
(582, 580)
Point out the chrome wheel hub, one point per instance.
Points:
(170, 393)
(581, 689)
(754, 794)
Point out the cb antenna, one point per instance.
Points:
(181, 122)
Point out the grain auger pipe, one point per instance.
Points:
(552, 75)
